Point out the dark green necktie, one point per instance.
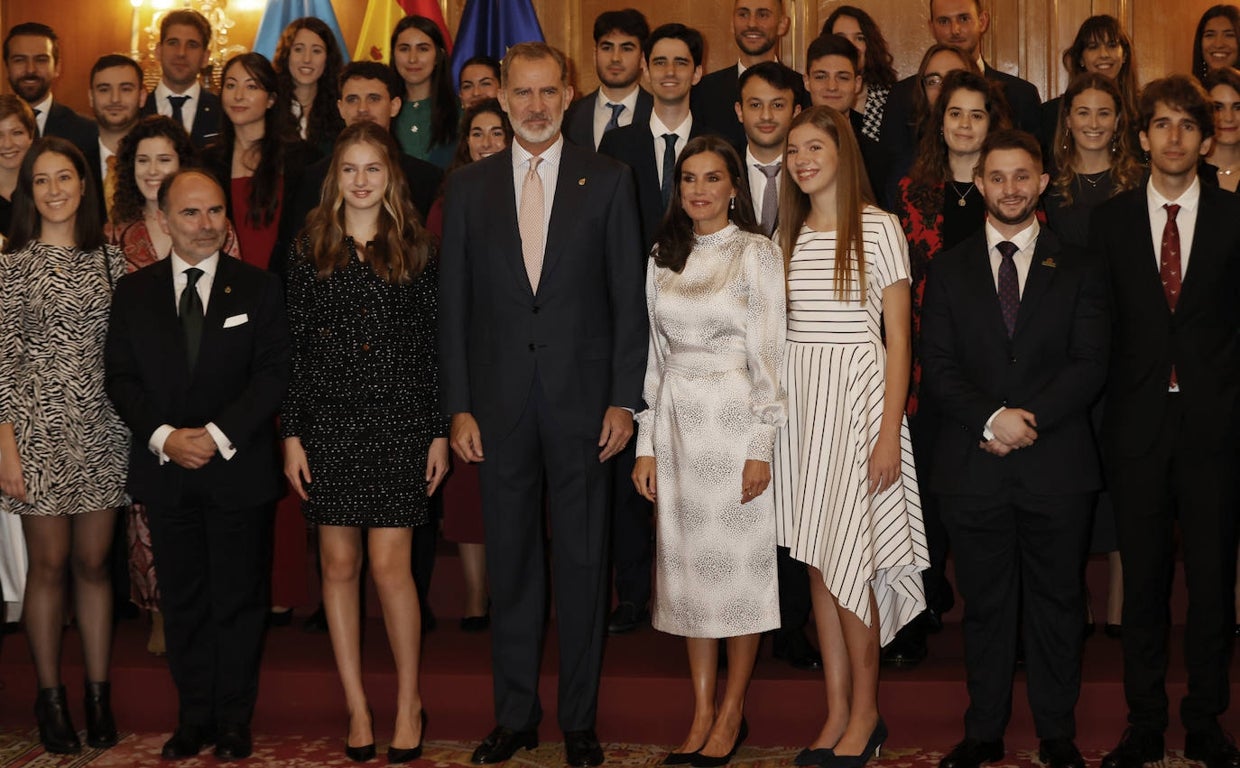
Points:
(190, 309)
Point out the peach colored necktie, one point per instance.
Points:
(530, 218)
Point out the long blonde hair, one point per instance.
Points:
(401, 248)
(852, 195)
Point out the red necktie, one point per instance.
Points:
(1169, 266)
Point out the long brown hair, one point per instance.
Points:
(401, 248)
(931, 166)
(675, 238)
(852, 195)
(1125, 172)
(1106, 30)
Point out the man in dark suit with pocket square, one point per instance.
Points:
(197, 363)
(184, 47)
(1172, 251)
(1014, 339)
(543, 340)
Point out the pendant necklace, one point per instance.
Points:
(961, 201)
(1092, 179)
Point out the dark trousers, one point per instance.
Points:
(1021, 550)
(1177, 480)
(578, 490)
(924, 432)
(794, 601)
(630, 532)
(214, 581)
(425, 539)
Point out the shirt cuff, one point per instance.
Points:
(986, 431)
(156, 443)
(227, 449)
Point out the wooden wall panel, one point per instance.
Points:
(1027, 36)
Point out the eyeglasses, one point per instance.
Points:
(932, 81)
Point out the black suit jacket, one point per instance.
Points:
(713, 102)
(579, 118)
(207, 120)
(1054, 366)
(635, 146)
(93, 162)
(238, 382)
(583, 336)
(1199, 338)
(67, 124)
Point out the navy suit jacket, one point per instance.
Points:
(207, 120)
(635, 146)
(1053, 366)
(579, 118)
(1199, 338)
(714, 98)
(237, 383)
(582, 337)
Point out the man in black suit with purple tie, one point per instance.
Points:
(543, 340)
(1014, 339)
(1172, 250)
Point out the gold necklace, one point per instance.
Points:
(962, 202)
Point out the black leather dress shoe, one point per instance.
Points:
(476, 623)
(1137, 747)
(187, 741)
(1216, 750)
(501, 743)
(1060, 753)
(233, 743)
(626, 618)
(971, 753)
(1113, 631)
(581, 749)
(794, 648)
(907, 649)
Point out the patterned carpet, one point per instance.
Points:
(20, 749)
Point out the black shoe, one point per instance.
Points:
(1216, 750)
(794, 648)
(233, 743)
(407, 754)
(1137, 747)
(1060, 753)
(316, 622)
(678, 758)
(501, 743)
(711, 761)
(971, 753)
(581, 749)
(360, 754)
(56, 731)
(819, 757)
(907, 649)
(280, 618)
(626, 618)
(1113, 631)
(476, 623)
(187, 741)
(100, 724)
(932, 621)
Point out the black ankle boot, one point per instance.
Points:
(100, 725)
(55, 730)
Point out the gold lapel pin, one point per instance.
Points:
(1048, 263)
(228, 289)
(581, 182)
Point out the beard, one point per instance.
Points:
(533, 135)
(1011, 220)
(31, 89)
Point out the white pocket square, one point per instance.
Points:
(236, 320)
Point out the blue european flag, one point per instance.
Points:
(280, 13)
(490, 27)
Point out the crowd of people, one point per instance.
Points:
(749, 346)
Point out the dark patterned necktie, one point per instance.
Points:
(614, 120)
(1009, 285)
(669, 167)
(1169, 266)
(178, 103)
(190, 309)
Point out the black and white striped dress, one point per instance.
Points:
(834, 376)
(74, 449)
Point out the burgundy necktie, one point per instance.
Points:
(1169, 266)
(1009, 285)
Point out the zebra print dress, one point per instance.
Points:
(74, 449)
(834, 375)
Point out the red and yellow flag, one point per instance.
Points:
(382, 17)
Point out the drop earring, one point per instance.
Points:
(732, 204)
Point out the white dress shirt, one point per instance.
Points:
(602, 112)
(188, 110)
(659, 129)
(757, 181)
(208, 266)
(548, 170)
(1185, 220)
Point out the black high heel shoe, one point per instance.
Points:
(100, 724)
(873, 746)
(56, 731)
(698, 760)
(365, 752)
(399, 755)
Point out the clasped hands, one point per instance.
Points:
(190, 447)
(1013, 428)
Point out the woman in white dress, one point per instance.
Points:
(715, 293)
(845, 490)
